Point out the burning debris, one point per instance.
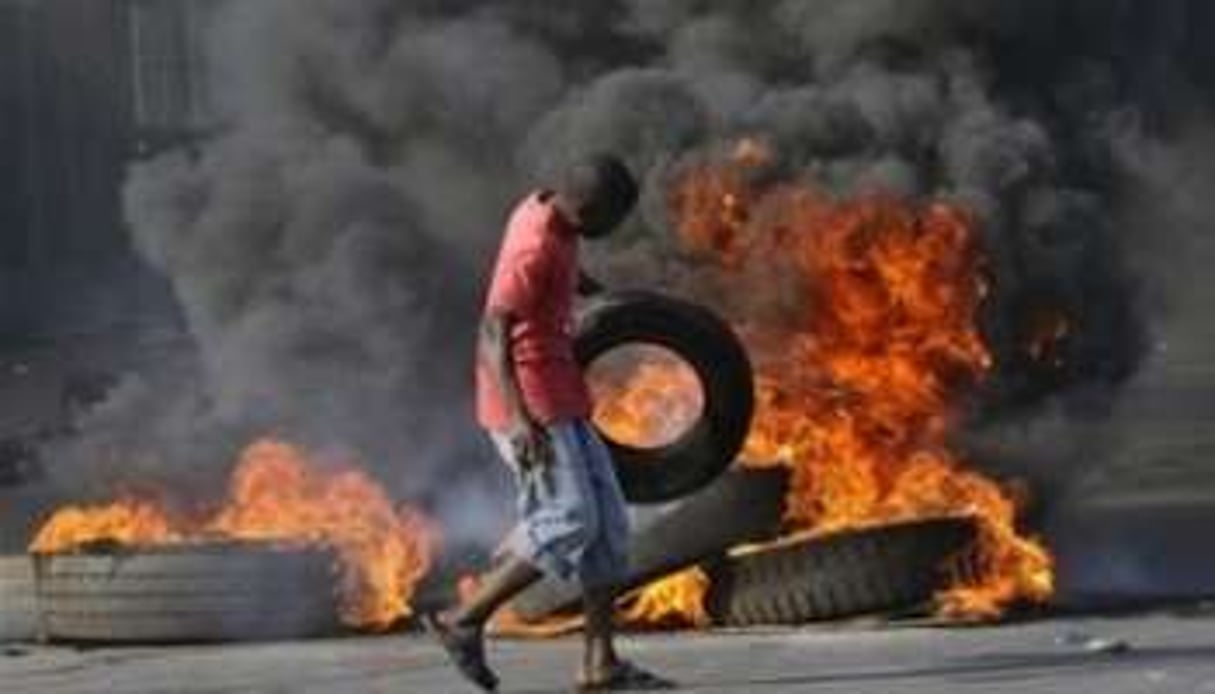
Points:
(280, 494)
(860, 394)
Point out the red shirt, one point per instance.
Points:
(534, 280)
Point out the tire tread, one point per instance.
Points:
(840, 575)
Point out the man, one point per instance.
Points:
(533, 400)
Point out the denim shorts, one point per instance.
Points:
(573, 518)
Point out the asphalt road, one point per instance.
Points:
(1146, 653)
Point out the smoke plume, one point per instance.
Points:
(328, 242)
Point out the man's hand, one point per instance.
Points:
(530, 444)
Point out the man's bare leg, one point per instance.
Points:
(462, 632)
(599, 656)
(602, 668)
(507, 580)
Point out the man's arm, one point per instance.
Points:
(495, 348)
(528, 438)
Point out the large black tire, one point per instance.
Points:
(740, 507)
(18, 604)
(190, 594)
(838, 575)
(713, 351)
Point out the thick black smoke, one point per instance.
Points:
(327, 246)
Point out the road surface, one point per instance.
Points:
(1161, 652)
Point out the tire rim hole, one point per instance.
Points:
(646, 396)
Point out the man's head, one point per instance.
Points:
(597, 192)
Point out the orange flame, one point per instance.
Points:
(677, 601)
(858, 393)
(648, 398)
(279, 493)
(126, 522)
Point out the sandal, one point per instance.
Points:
(625, 677)
(465, 647)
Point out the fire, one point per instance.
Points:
(279, 493)
(647, 398)
(674, 601)
(126, 522)
(860, 389)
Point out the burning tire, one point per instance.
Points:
(742, 506)
(18, 605)
(188, 594)
(838, 575)
(713, 351)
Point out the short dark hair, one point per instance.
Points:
(599, 176)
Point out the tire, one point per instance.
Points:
(713, 351)
(18, 604)
(838, 575)
(190, 594)
(742, 506)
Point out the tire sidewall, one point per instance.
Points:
(712, 350)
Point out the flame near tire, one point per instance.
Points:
(279, 493)
(860, 390)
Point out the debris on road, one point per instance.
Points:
(1091, 644)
